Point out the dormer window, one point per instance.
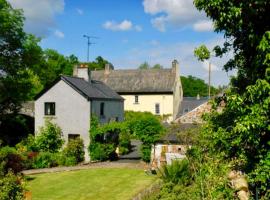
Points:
(49, 108)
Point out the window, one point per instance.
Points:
(136, 99)
(102, 105)
(157, 109)
(49, 108)
(73, 136)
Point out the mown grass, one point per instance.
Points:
(90, 184)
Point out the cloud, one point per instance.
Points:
(203, 26)
(173, 13)
(164, 54)
(59, 34)
(125, 25)
(79, 11)
(39, 15)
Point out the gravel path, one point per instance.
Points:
(116, 164)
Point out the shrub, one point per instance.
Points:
(75, 149)
(178, 172)
(102, 152)
(10, 160)
(66, 160)
(124, 142)
(11, 187)
(146, 152)
(49, 138)
(45, 160)
(27, 145)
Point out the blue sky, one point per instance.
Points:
(129, 32)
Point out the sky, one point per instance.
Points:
(127, 32)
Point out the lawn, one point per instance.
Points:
(90, 184)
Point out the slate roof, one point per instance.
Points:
(93, 90)
(190, 103)
(137, 80)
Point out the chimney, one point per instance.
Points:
(108, 68)
(175, 68)
(82, 71)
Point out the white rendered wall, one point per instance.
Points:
(72, 112)
(147, 103)
(112, 109)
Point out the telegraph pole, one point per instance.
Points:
(209, 80)
(89, 43)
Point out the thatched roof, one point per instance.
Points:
(137, 81)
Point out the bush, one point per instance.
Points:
(102, 152)
(178, 172)
(66, 160)
(11, 187)
(45, 160)
(75, 149)
(124, 142)
(27, 145)
(10, 160)
(49, 138)
(146, 152)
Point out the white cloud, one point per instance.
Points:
(39, 14)
(79, 11)
(114, 26)
(59, 34)
(176, 13)
(138, 28)
(203, 26)
(125, 25)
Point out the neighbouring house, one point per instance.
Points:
(71, 101)
(158, 91)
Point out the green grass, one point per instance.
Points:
(90, 184)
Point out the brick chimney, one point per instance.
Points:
(175, 68)
(82, 71)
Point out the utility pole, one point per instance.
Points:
(89, 43)
(209, 80)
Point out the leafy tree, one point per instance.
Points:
(243, 23)
(98, 64)
(202, 53)
(157, 66)
(52, 65)
(16, 47)
(192, 86)
(144, 65)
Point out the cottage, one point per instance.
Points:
(158, 91)
(71, 101)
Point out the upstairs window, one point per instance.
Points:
(157, 108)
(136, 100)
(49, 108)
(102, 106)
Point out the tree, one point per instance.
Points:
(16, 47)
(144, 65)
(192, 86)
(157, 66)
(98, 64)
(243, 23)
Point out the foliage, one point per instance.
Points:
(244, 25)
(45, 160)
(10, 160)
(177, 172)
(14, 128)
(98, 64)
(75, 149)
(192, 86)
(49, 138)
(27, 145)
(202, 53)
(15, 77)
(11, 187)
(99, 151)
(146, 127)
(146, 65)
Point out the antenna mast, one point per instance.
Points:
(89, 43)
